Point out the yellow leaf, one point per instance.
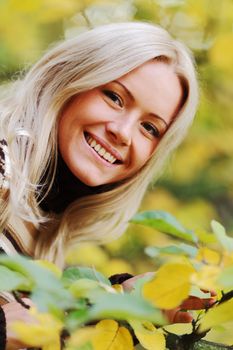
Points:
(111, 336)
(80, 337)
(148, 336)
(44, 333)
(208, 256)
(206, 277)
(204, 236)
(179, 328)
(170, 286)
(217, 315)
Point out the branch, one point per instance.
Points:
(175, 342)
(207, 345)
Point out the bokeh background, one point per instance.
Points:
(197, 184)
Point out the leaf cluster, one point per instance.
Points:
(80, 304)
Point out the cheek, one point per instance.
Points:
(66, 127)
(144, 151)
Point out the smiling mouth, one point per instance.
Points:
(101, 151)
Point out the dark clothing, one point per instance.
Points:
(67, 188)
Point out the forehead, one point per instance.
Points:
(156, 87)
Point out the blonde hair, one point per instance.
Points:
(29, 125)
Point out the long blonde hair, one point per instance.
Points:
(29, 119)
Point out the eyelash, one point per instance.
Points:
(114, 97)
(151, 130)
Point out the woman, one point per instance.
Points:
(85, 132)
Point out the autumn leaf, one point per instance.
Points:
(206, 277)
(44, 333)
(217, 315)
(111, 336)
(170, 286)
(81, 337)
(148, 336)
(208, 256)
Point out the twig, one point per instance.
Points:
(19, 300)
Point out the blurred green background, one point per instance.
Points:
(197, 185)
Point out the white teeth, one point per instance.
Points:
(111, 159)
(100, 150)
(107, 156)
(93, 143)
(97, 147)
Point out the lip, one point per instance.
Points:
(108, 148)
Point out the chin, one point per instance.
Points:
(90, 181)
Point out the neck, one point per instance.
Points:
(67, 188)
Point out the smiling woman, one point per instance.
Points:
(109, 133)
(86, 131)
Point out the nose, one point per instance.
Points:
(121, 131)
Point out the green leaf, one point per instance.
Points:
(225, 279)
(125, 306)
(182, 249)
(164, 222)
(37, 275)
(17, 264)
(220, 233)
(53, 301)
(47, 290)
(77, 318)
(11, 280)
(84, 287)
(72, 274)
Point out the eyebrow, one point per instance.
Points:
(133, 99)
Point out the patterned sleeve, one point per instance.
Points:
(4, 166)
(2, 330)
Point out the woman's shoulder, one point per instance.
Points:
(4, 165)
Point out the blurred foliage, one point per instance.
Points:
(197, 185)
(80, 304)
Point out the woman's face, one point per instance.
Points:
(107, 134)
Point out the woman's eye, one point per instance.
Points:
(114, 97)
(151, 129)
